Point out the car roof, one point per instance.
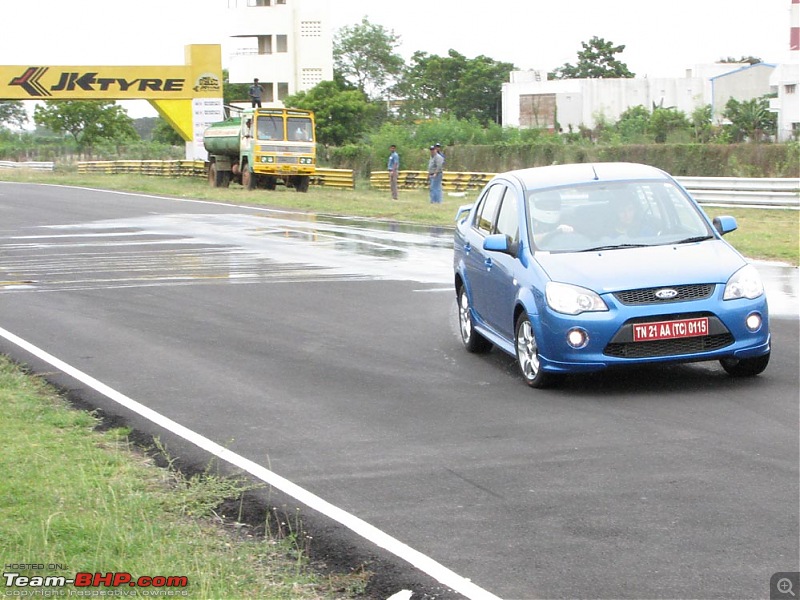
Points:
(558, 175)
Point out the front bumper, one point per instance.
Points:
(611, 343)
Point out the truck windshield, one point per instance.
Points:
(299, 129)
(270, 128)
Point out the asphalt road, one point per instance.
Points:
(328, 352)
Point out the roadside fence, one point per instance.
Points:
(714, 191)
(336, 178)
(35, 166)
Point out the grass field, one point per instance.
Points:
(763, 234)
(87, 501)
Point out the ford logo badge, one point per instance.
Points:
(666, 294)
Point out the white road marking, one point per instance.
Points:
(369, 532)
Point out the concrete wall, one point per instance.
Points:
(742, 84)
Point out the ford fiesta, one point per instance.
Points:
(576, 268)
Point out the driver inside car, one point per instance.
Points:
(546, 216)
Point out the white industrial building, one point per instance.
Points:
(531, 101)
(286, 44)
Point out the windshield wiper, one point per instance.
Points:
(691, 240)
(615, 247)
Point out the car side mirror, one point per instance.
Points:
(725, 224)
(499, 243)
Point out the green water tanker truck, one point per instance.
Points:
(262, 147)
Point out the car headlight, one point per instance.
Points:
(745, 283)
(572, 299)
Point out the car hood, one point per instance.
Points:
(711, 261)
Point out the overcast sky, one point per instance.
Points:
(661, 38)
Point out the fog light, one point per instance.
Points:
(577, 338)
(753, 321)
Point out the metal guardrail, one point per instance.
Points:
(738, 191)
(451, 181)
(35, 166)
(718, 191)
(161, 168)
(336, 178)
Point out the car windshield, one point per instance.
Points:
(609, 215)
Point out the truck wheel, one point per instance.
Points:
(248, 179)
(213, 175)
(301, 184)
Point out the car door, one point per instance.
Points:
(502, 267)
(478, 277)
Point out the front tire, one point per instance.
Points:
(301, 184)
(473, 341)
(528, 355)
(745, 367)
(248, 179)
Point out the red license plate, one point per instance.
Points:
(667, 330)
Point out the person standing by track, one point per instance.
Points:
(435, 174)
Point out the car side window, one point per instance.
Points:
(508, 218)
(484, 220)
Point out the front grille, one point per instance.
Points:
(287, 160)
(669, 347)
(623, 346)
(647, 296)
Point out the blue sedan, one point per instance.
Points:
(577, 268)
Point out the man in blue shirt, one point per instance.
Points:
(394, 169)
(435, 173)
(255, 91)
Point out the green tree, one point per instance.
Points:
(453, 85)
(234, 92)
(425, 85)
(12, 114)
(478, 92)
(702, 124)
(165, 133)
(365, 56)
(596, 61)
(87, 121)
(750, 119)
(664, 121)
(634, 124)
(342, 116)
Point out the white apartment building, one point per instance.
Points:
(785, 83)
(286, 44)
